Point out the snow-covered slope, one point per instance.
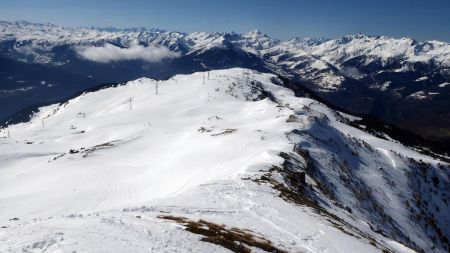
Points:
(382, 48)
(158, 165)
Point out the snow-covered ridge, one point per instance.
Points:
(332, 50)
(226, 146)
(384, 48)
(325, 63)
(378, 45)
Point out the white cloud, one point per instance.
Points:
(108, 53)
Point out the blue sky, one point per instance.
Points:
(419, 19)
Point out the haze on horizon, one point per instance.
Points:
(421, 20)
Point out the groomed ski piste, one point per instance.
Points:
(209, 162)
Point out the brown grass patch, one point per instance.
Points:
(225, 132)
(234, 239)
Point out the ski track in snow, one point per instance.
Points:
(386, 153)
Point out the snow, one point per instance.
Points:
(393, 168)
(381, 47)
(349, 117)
(422, 95)
(134, 179)
(418, 95)
(423, 78)
(103, 166)
(385, 86)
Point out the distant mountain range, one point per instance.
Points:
(401, 81)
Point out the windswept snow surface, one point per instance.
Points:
(93, 174)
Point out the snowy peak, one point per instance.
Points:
(255, 34)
